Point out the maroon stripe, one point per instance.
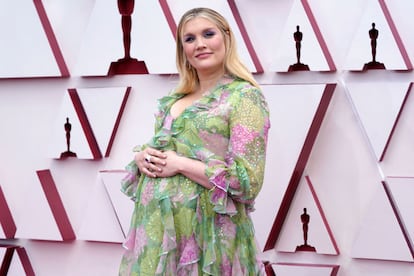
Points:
(7, 258)
(399, 218)
(325, 221)
(396, 35)
(168, 15)
(396, 122)
(24, 259)
(83, 118)
(6, 218)
(318, 34)
(56, 205)
(54, 45)
(242, 28)
(118, 120)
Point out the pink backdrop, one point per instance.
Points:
(341, 142)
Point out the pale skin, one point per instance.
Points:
(204, 49)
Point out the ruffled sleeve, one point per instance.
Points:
(239, 175)
(129, 183)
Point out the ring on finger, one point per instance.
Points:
(147, 158)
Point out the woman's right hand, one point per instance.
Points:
(150, 161)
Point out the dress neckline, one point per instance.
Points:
(226, 79)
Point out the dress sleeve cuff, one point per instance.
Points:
(219, 197)
(129, 183)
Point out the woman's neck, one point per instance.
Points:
(207, 82)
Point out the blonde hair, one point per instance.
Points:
(232, 63)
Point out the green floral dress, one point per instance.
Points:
(179, 227)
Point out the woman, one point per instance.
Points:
(194, 183)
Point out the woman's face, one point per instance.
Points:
(203, 45)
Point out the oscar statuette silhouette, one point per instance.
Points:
(373, 64)
(298, 66)
(127, 64)
(305, 218)
(68, 152)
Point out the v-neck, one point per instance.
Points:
(222, 82)
(185, 109)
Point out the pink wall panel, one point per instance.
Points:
(29, 48)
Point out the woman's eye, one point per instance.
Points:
(188, 39)
(209, 34)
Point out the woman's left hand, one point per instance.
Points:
(172, 164)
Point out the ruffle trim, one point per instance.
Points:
(129, 183)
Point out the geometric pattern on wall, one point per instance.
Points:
(30, 42)
(390, 209)
(94, 115)
(45, 217)
(319, 233)
(400, 14)
(281, 269)
(122, 204)
(394, 57)
(398, 188)
(67, 21)
(15, 258)
(313, 52)
(7, 223)
(104, 32)
(101, 221)
(399, 155)
(291, 129)
(6, 255)
(297, 173)
(382, 234)
(379, 106)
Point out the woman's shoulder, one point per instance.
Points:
(170, 98)
(242, 88)
(244, 91)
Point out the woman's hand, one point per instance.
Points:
(172, 164)
(150, 161)
(155, 163)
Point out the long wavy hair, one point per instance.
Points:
(189, 80)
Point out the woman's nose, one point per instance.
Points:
(200, 43)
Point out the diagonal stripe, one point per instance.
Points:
(322, 213)
(118, 120)
(396, 35)
(6, 218)
(86, 126)
(168, 15)
(24, 259)
(51, 38)
(399, 217)
(318, 34)
(7, 258)
(56, 205)
(245, 36)
(396, 123)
